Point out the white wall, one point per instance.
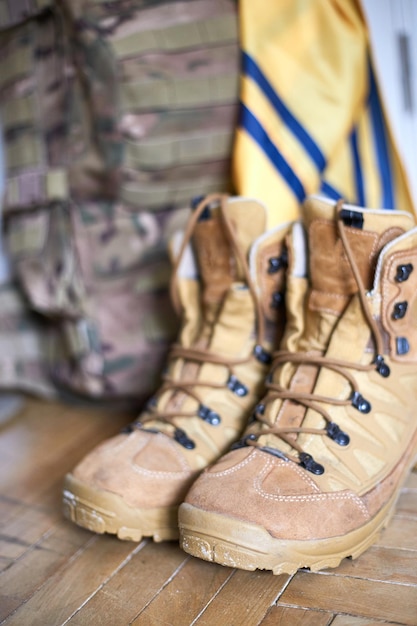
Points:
(4, 269)
(393, 28)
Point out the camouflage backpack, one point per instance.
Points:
(114, 115)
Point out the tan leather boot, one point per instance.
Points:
(316, 477)
(228, 283)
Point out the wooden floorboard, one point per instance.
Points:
(53, 573)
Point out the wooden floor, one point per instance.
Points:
(54, 573)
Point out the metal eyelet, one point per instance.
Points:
(381, 367)
(336, 434)
(182, 438)
(258, 410)
(209, 416)
(402, 345)
(278, 300)
(277, 263)
(237, 387)
(403, 272)
(307, 461)
(262, 355)
(360, 403)
(399, 311)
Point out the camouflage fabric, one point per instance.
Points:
(177, 69)
(115, 115)
(52, 149)
(13, 12)
(24, 340)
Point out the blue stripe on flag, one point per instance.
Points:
(253, 127)
(254, 72)
(382, 152)
(330, 191)
(357, 169)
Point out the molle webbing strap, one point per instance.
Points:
(211, 31)
(27, 234)
(35, 187)
(24, 151)
(82, 336)
(169, 151)
(17, 64)
(18, 112)
(179, 92)
(156, 196)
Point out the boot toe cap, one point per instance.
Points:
(146, 470)
(278, 496)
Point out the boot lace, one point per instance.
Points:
(157, 417)
(313, 400)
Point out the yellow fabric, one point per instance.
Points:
(312, 119)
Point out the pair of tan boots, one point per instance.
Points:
(293, 385)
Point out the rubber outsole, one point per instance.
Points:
(236, 543)
(106, 512)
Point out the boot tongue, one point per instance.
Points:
(332, 280)
(214, 252)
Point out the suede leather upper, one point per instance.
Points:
(281, 496)
(150, 469)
